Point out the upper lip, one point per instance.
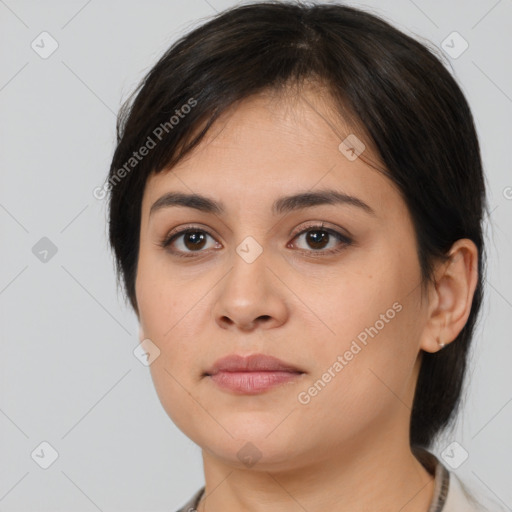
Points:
(250, 363)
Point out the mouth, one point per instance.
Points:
(252, 374)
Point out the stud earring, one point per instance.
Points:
(439, 342)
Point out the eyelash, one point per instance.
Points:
(166, 242)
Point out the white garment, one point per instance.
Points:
(458, 499)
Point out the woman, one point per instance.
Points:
(296, 201)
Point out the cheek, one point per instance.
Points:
(160, 297)
(357, 382)
(177, 397)
(342, 305)
(172, 311)
(372, 344)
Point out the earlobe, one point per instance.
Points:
(142, 337)
(455, 284)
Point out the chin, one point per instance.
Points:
(253, 445)
(252, 455)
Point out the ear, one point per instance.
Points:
(142, 337)
(451, 297)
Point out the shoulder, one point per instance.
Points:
(450, 492)
(191, 504)
(461, 499)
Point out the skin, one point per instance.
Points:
(348, 448)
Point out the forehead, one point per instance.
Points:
(268, 146)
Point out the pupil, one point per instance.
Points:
(196, 238)
(314, 240)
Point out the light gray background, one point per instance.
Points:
(67, 369)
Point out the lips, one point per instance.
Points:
(251, 375)
(251, 363)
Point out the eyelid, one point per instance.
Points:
(320, 225)
(188, 227)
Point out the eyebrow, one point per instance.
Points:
(281, 205)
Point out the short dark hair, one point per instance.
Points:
(407, 104)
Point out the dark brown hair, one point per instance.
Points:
(411, 110)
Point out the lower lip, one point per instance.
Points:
(251, 383)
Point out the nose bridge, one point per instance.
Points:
(249, 275)
(250, 291)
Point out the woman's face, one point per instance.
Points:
(330, 288)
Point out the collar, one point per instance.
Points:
(441, 476)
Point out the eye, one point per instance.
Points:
(323, 240)
(187, 241)
(192, 240)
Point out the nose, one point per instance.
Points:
(250, 296)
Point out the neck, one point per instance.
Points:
(387, 477)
